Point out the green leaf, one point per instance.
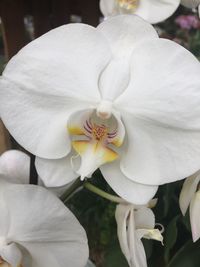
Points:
(187, 256)
(170, 237)
(114, 257)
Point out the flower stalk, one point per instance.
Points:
(65, 196)
(103, 194)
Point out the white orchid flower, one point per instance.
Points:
(37, 230)
(15, 167)
(153, 11)
(191, 4)
(115, 97)
(132, 225)
(190, 196)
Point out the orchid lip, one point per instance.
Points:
(95, 138)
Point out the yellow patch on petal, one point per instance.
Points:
(80, 146)
(110, 155)
(75, 130)
(106, 154)
(154, 234)
(117, 142)
(128, 4)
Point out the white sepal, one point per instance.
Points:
(194, 216)
(188, 190)
(132, 225)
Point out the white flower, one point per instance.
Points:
(115, 97)
(132, 225)
(153, 11)
(37, 230)
(15, 167)
(191, 4)
(190, 196)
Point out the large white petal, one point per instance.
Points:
(57, 172)
(48, 79)
(155, 11)
(194, 216)
(58, 254)
(38, 121)
(36, 215)
(15, 166)
(161, 114)
(123, 33)
(61, 62)
(188, 190)
(132, 192)
(40, 223)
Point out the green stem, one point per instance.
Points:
(78, 183)
(103, 194)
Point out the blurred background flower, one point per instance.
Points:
(188, 22)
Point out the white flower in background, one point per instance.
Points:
(191, 4)
(190, 196)
(15, 167)
(115, 97)
(37, 230)
(153, 11)
(132, 225)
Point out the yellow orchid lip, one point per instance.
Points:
(128, 4)
(92, 142)
(99, 138)
(107, 154)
